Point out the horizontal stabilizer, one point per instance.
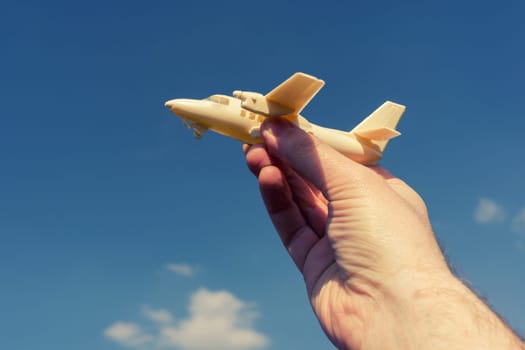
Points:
(380, 126)
(379, 134)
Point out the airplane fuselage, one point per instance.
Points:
(225, 115)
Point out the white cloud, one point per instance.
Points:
(161, 316)
(518, 223)
(128, 334)
(181, 269)
(488, 211)
(218, 321)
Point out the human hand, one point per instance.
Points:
(374, 272)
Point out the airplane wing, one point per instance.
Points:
(295, 92)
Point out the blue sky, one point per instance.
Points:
(118, 229)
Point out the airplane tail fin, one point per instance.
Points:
(380, 126)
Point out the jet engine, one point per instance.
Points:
(258, 103)
(252, 97)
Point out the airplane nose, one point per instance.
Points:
(173, 104)
(178, 106)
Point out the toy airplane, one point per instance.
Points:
(240, 117)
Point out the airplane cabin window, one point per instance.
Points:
(243, 113)
(252, 116)
(260, 118)
(219, 99)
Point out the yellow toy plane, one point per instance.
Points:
(240, 117)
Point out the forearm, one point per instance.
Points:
(453, 317)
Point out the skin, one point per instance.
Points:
(374, 273)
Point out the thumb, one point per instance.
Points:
(320, 164)
(373, 231)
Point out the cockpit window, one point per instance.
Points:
(219, 99)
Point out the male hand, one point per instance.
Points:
(374, 273)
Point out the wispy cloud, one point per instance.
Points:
(160, 316)
(488, 211)
(127, 334)
(518, 223)
(181, 269)
(216, 320)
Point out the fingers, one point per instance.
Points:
(256, 158)
(297, 210)
(310, 201)
(295, 233)
(324, 167)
